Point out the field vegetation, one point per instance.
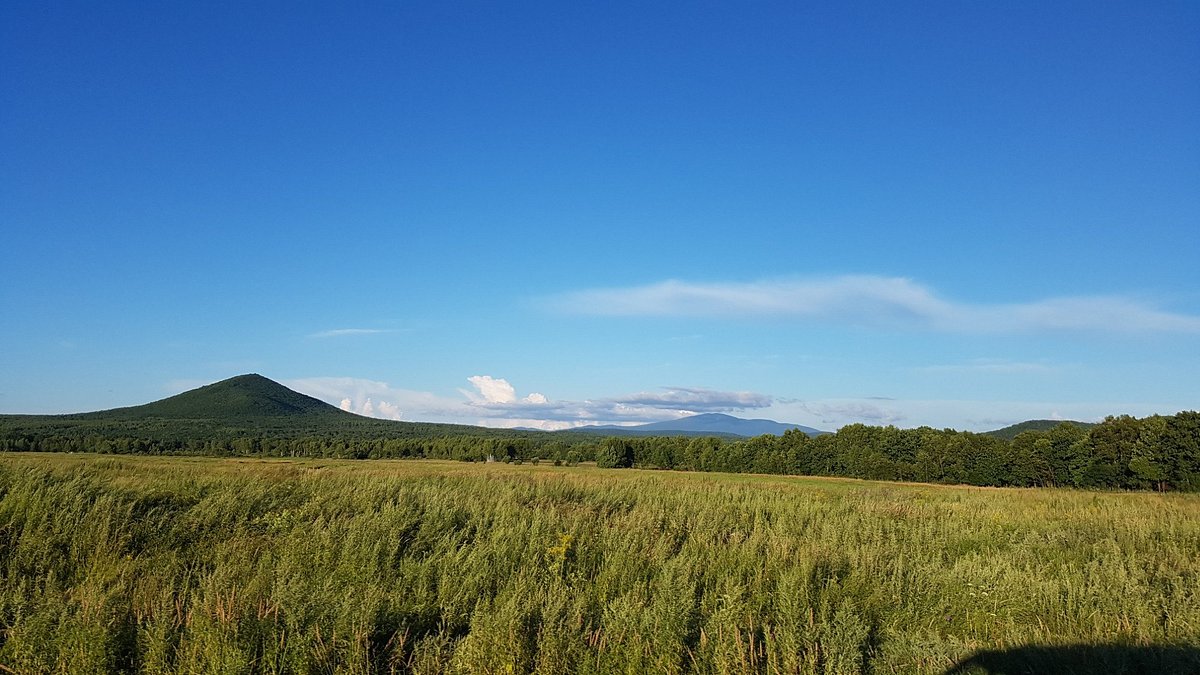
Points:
(204, 565)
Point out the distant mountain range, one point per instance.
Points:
(255, 405)
(707, 424)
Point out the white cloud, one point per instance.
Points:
(492, 390)
(541, 425)
(497, 403)
(875, 301)
(831, 414)
(377, 399)
(389, 411)
(494, 404)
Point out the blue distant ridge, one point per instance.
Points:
(717, 424)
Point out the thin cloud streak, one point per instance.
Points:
(703, 399)
(989, 367)
(344, 332)
(866, 300)
(961, 414)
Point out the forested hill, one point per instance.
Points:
(1010, 432)
(236, 408)
(239, 398)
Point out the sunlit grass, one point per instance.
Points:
(271, 565)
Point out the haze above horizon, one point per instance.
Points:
(553, 214)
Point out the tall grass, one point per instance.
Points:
(187, 565)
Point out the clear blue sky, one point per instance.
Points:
(957, 214)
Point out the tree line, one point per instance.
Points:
(1152, 453)
(1159, 453)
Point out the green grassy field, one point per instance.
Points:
(200, 565)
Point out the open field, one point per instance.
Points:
(144, 564)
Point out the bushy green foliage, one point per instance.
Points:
(1161, 453)
(615, 453)
(199, 565)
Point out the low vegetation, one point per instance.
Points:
(166, 565)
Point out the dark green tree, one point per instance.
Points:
(1181, 447)
(614, 453)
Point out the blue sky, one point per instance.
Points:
(954, 214)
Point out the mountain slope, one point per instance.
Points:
(238, 398)
(242, 406)
(715, 424)
(1010, 432)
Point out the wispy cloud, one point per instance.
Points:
(990, 367)
(962, 414)
(839, 413)
(699, 400)
(875, 301)
(344, 332)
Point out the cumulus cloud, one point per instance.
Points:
(875, 301)
(497, 392)
(377, 399)
(492, 390)
(389, 411)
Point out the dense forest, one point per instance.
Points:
(1152, 453)
(1161, 453)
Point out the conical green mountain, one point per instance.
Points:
(238, 398)
(240, 407)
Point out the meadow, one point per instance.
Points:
(222, 565)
